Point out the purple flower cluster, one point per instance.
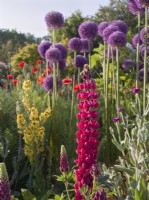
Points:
(141, 75)
(48, 83)
(88, 30)
(135, 7)
(136, 40)
(80, 61)
(100, 195)
(143, 35)
(53, 54)
(85, 45)
(114, 33)
(143, 3)
(75, 44)
(86, 136)
(128, 64)
(64, 166)
(117, 39)
(54, 20)
(102, 26)
(4, 183)
(62, 49)
(43, 47)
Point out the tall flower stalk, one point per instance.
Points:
(87, 134)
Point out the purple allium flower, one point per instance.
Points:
(62, 49)
(117, 39)
(88, 30)
(143, 3)
(121, 24)
(62, 64)
(48, 83)
(141, 75)
(43, 47)
(108, 31)
(75, 44)
(85, 45)
(54, 20)
(143, 51)
(100, 195)
(64, 166)
(4, 183)
(116, 119)
(134, 7)
(135, 40)
(128, 64)
(80, 61)
(143, 35)
(102, 26)
(53, 54)
(136, 90)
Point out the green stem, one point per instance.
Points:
(72, 100)
(117, 86)
(78, 76)
(106, 106)
(89, 55)
(145, 61)
(104, 69)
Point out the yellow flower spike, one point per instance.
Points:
(26, 85)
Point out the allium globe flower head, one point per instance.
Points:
(128, 64)
(88, 30)
(143, 51)
(136, 40)
(75, 44)
(117, 39)
(53, 55)
(43, 47)
(108, 31)
(85, 45)
(134, 8)
(141, 75)
(143, 35)
(121, 24)
(62, 49)
(54, 20)
(80, 61)
(143, 3)
(102, 26)
(48, 83)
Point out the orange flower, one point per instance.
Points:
(40, 80)
(10, 76)
(15, 81)
(38, 62)
(67, 81)
(21, 64)
(35, 69)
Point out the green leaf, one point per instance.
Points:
(124, 169)
(27, 195)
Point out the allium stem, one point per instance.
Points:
(53, 35)
(138, 51)
(117, 86)
(72, 100)
(145, 61)
(104, 69)
(106, 107)
(54, 84)
(89, 54)
(78, 75)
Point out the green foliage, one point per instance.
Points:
(29, 54)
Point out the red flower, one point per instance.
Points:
(10, 76)
(38, 62)
(47, 71)
(21, 64)
(35, 69)
(76, 88)
(67, 81)
(15, 81)
(40, 80)
(5, 85)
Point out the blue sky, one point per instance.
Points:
(27, 16)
